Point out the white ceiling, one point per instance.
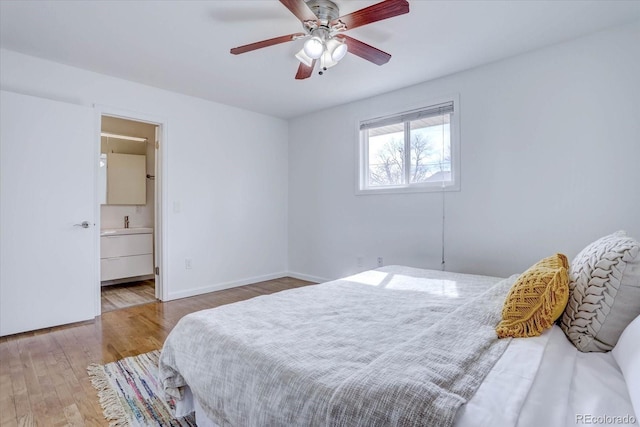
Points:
(183, 46)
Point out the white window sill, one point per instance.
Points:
(408, 189)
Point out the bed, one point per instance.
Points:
(395, 346)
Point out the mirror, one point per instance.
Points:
(126, 179)
(122, 178)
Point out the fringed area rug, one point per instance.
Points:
(131, 395)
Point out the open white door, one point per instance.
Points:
(48, 260)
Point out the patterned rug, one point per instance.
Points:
(130, 394)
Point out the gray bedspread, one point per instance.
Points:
(395, 346)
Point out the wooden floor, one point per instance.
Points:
(115, 297)
(43, 376)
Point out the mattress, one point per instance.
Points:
(541, 381)
(537, 381)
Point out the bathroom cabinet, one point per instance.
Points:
(126, 253)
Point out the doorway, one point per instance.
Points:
(129, 220)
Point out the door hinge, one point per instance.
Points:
(157, 145)
(157, 271)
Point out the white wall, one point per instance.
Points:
(550, 146)
(226, 168)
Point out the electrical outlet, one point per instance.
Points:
(187, 263)
(380, 261)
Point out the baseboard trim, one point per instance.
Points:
(225, 285)
(248, 281)
(307, 277)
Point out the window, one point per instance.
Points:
(412, 151)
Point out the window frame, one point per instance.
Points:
(362, 157)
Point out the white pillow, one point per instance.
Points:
(627, 354)
(604, 292)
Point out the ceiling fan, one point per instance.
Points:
(324, 27)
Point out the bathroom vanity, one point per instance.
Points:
(126, 252)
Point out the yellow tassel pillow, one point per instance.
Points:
(536, 299)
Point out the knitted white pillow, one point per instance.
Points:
(604, 292)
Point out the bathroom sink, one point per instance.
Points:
(121, 231)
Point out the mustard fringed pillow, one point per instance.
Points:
(536, 299)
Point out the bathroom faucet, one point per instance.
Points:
(126, 221)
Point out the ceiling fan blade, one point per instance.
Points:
(266, 43)
(305, 71)
(377, 12)
(366, 51)
(300, 9)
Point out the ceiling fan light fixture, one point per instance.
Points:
(314, 47)
(323, 26)
(304, 58)
(326, 61)
(338, 49)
